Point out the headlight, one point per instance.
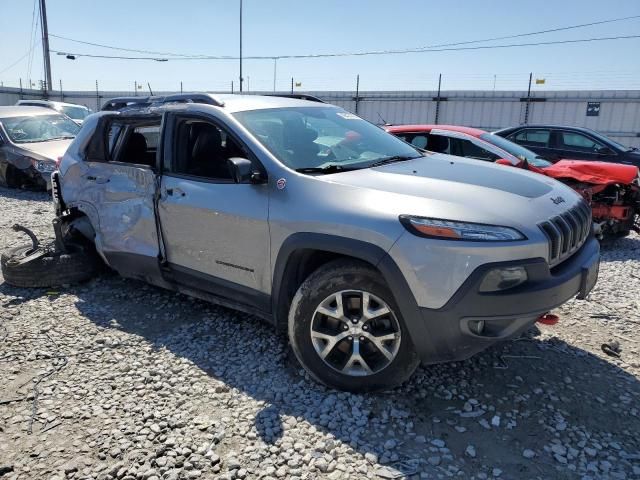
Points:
(503, 279)
(452, 230)
(44, 166)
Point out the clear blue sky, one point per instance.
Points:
(280, 27)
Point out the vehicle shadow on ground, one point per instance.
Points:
(532, 387)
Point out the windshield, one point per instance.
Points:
(516, 150)
(39, 128)
(321, 137)
(77, 113)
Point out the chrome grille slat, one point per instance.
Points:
(567, 232)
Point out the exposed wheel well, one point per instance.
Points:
(300, 264)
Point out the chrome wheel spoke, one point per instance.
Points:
(355, 333)
(325, 343)
(336, 312)
(368, 312)
(356, 365)
(378, 342)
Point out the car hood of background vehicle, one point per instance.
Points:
(597, 173)
(444, 177)
(50, 150)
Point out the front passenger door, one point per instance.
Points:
(215, 231)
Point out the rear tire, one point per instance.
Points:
(46, 267)
(347, 332)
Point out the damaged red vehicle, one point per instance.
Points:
(612, 190)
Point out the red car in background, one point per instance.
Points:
(612, 190)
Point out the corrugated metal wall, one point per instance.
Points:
(619, 113)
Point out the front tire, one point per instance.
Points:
(346, 330)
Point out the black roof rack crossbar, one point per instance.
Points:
(121, 103)
(299, 96)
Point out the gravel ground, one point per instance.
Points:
(133, 382)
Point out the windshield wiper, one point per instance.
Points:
(393, 159)
(331, 168)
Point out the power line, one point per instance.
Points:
(453, 49)
(348, 54)
(20, 59)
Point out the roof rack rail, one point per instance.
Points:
(299, 96)
(126, 103)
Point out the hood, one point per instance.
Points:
(597, 173)
(444, 186)
(50, 150)
(435, 175)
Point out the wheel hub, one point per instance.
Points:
(355, 332)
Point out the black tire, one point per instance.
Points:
(13, 177)
(347, 276)
(45, 267)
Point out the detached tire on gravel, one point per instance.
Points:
(45, 267)
(346, 329)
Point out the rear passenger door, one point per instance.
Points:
(215, 231)
(116, 188)
(536, 139)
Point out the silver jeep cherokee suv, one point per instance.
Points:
(371, 254)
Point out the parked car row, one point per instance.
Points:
(612, 189)
(372, 253)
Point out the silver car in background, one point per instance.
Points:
(31, 141)
(369, 253)
(75, 112)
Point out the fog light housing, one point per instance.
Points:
(44, 166)
(503, 279)
(476, 326)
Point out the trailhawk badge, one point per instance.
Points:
(281, 183)
(558, 200)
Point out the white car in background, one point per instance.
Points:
(31, 141)
(75, 112)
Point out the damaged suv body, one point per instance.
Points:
(371, 254)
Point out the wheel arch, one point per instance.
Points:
(303, 253)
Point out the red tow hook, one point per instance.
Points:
(548, 319)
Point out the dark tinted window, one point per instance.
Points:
(202, 150)
(534, 138)
(579, 142)
(468, 149)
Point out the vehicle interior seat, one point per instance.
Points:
(299, 143)
(135, 151)
(438, 144)
(208, 158)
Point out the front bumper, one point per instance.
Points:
(444, 334)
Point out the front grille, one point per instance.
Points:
(567, 232)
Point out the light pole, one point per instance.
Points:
(45, 47)
(241, 79)
(275, 70)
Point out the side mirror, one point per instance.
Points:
(243, 171)
(504, 161)
(605, 151)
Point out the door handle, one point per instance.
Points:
(93, 178)
(175, 192)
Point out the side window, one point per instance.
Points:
(471, 150)
(579, 142)
(202, 150)
(533, 138)
(138, 145)
(438, 144)
(419, 141)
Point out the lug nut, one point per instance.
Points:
(362, 339)
(350, 337)
(345, 327)
(365, 327)
(354, 320)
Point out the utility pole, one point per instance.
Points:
(291, 85)
(357, 98)
(275, 69)
(45, 47)
(241, 46)
(526, 109)
(438, 99)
